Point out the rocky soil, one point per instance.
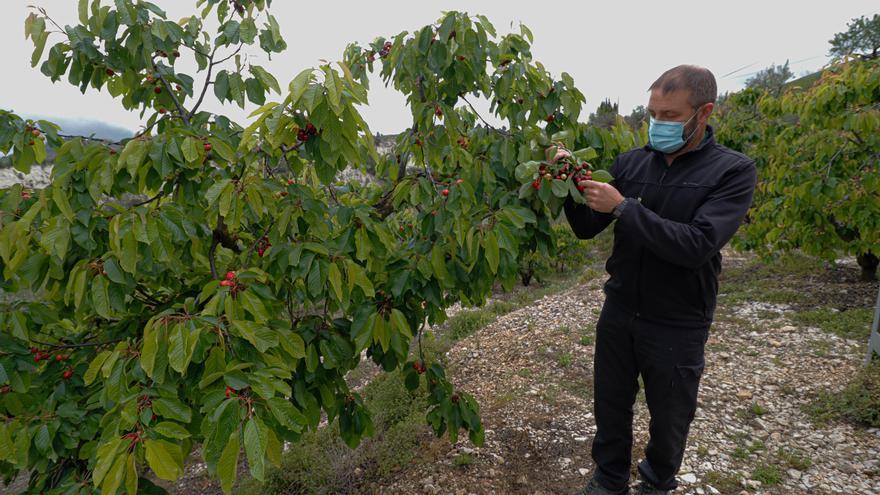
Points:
(532, 370)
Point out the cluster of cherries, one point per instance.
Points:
(263, 245)
(229, 281)
(307, 132)
(386, 49)
(59, 358)
(33, 131)
(420, 367)
(565, 169)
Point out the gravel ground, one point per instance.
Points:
(532, 370)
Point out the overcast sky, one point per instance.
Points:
(612, 49)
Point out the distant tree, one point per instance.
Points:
(636, 117)
(771, 79)
(861, 38)
(606, 115)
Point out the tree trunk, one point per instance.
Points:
(868, 261)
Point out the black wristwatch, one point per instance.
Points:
(618, 210)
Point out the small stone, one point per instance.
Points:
(689, 478)
(794, 474)
(744, 394)
(583, 471)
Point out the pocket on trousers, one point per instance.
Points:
(690, 371)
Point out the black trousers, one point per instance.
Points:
(670, 361)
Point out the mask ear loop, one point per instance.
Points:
(695, 129)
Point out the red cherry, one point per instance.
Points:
(112, 152)
(550, 118)
(157, 89)
(208, 147)
(67, 374)
(34, 350)
(290, 182)
(230, 275)
(110, 72)
(59, 357)
(418, 142)
(445, 192)
(459, 57)
(162, 110)
(225, 283)
(282, 193)
(178, 87)
(25, 195)
(536, 184)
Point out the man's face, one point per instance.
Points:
(675, 107)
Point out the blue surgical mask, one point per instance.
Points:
(668, 136)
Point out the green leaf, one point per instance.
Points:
(95, 367)
(289, 416)
(585, 154)
(84, 12)
(100, 298)
(255, 446)
(60, 199)
(490, 245)
(131, 475)
(104, 459)
(261, 337)
(438, 262)
(334, 89)
(115, 475)
(227, 466)
(221, 85)
(602, 176)
(252, 303)
(266, 78)
(336, 281)
(172, 409)
(190, 149)
(299, 85)
(559, 188)
(171, 430)
(400, 323)
(164, 458)
(381, 332)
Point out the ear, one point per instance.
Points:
(706, 111)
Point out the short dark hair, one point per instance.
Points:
(699, 81)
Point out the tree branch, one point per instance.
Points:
(490, 126)
(207, 83)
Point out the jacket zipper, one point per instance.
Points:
(642, 250)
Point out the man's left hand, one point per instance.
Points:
(600, 196)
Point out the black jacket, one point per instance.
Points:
(666, 258)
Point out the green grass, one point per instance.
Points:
(793, 459)
(767, 474)
(463, 460)
(851, 324)
(727, 484)
(565, 359)
(857, 403)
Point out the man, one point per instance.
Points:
(676, 202)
